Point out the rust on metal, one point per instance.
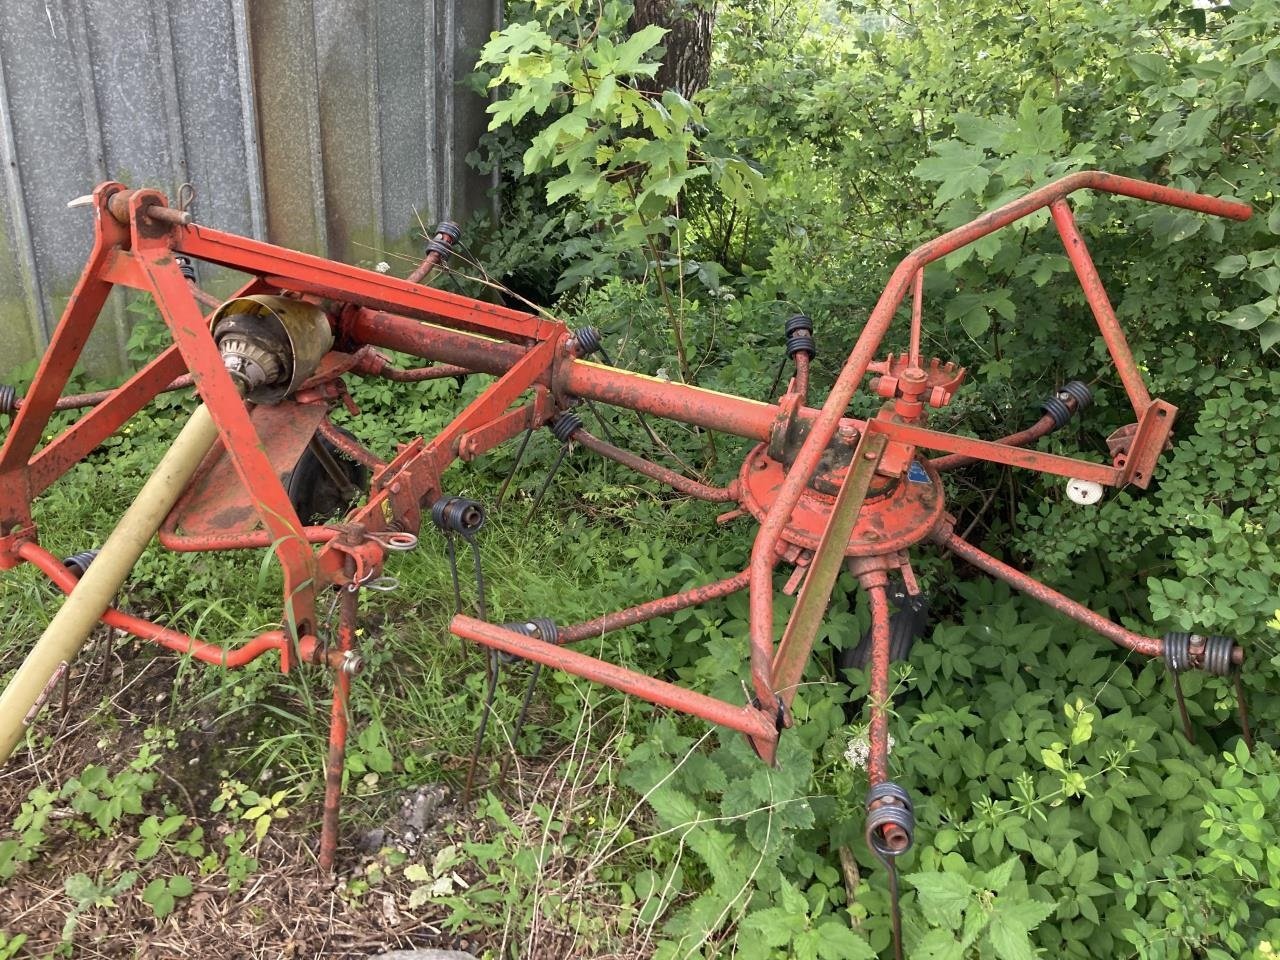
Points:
(826, 489)
(662, 607)
(824, 567)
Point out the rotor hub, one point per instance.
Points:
(896, 514)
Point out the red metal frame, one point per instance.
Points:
(538, 375)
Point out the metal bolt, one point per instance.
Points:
(352, 663)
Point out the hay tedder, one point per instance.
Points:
(828, 491)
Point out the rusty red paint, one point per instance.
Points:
(108, 416)
(756, 724)
(1096, 294)
(1040, 428)
(429, 341)
(917, 310)
(662, 607)
(484, 438)
(878, 682)
(308, 274)
(209, 653)
(1148, 646)
(997, 452)
(894, 517)
(136, 238)
(338, 721)
(656, 471)
(824, 566)
(663, 398)
(1148, 441)
(217, 503)
(349, 448)
(75, 401)
(764, 552)
(800, 385)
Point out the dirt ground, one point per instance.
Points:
(285, 908)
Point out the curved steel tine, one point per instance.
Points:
(393, 539)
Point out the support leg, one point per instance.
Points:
(890, 819)
(338, 719)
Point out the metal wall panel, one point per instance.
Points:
(327, 125)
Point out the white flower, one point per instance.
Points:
(382, 266)
(859, 751)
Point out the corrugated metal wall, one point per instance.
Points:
(324, 125)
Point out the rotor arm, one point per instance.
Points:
(764, 553)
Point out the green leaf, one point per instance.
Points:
(1247, 317)
(1086, 867)
(998, 878)
(80, 887)
(1052, 759)
(1232, 265)
(1169, 840)
(775, 926)
(1148, 67)
(837, 942)
(1011, 924)
(418, 873)
(581, 182)
(938, 945)
(1272, 69)
(1269, 334)
(629, 56)
(943, 897)
(959, 169)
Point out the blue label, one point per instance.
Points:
(916, 473)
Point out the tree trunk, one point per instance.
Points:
(687, 63)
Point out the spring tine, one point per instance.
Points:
(481, 608)
(451, 551)
(528, 698)
(537, 502)
(1242, 708)
(654, 439)
(524, 444)
(604, 426)
(777, 377)
(895, 910)
(490, 694)
(520, 719)
(1182, 708)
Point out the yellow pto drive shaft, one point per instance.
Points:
(71, 626)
